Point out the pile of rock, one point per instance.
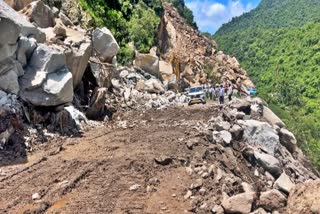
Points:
(51, 64)
(258, 169)
(194, 56)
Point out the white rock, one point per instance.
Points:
(35, 196)
(240, 203)
(284, 184)
(135, 187)
(104, 44)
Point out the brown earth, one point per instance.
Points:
(93, 174)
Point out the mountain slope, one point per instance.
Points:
(278, 44)
(274, 14)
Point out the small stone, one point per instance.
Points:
(35, 196)
(205, 175)
(135, 187)
(174, 195)
(187, 195)
(163, 160)
(217, 209)
(204, 206)
(197, 184)
(189, 170)
(256, 173)
(202, 191)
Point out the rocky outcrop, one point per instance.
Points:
(194, 56)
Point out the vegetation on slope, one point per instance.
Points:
(134, 21)
(279, 45)
(129, 20)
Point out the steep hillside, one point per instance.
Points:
(274, 14)
(278, 43)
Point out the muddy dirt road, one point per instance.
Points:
(111, 169)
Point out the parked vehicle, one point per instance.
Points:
(196, 95)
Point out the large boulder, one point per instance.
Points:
(47, 81)
(271, 117)
(104, 44)
(77, 61)
(26, 47)
(268, 163)
(8, 37)
(241, 203)
(272, 200)
(288, 140)
(305, 198)
(40, 14)
(10, 70)
(260, 134)
(26, 28)
(148, 63)
(284, 184)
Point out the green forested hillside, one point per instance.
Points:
(134, 21)
(282, 55)
(274, 14)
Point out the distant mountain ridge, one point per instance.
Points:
(275, 14)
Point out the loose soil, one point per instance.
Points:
(93, 174)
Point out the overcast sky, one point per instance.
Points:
(211, 14)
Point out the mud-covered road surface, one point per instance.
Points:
(94, 173)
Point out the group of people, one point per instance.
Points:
(219, 92)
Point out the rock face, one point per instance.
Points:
(260, 134)
(26, 28)
(47, 81)
(304, 198)
(40, 14)
(272, 200)
(104, 44)
(193, 56)
(240, 203)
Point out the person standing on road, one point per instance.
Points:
(213, 93)
(217, 91)
(221, 95)
(230, 92)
